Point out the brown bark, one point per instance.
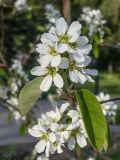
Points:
(67, 10)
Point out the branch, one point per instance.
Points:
(112, 99)
(6, 104)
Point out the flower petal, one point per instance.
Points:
(58, 81)
(43, 48)
(64, 63)
(52, 137)
(61, 26)
(73, 76)
(71, 143)
(45, 60)
(40, 146)
(81, 141)
(86, 49)
(52, 30)
(81, 77)
(92, 72)
(38, 71)
(74, 31)
(82, 41)
(55, 61)
(46, 83)
(64, 107)
(59, 149)
(78, 57)
(47, 151)
(62, 48)
(34, 133)
(49, 39)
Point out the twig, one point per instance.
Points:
(6, 104)
(109, 100)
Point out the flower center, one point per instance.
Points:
(53, 52)
(72, 66)
(64, 38)
(76, 131)
(73, 45)
(45, 137)
(52, 71)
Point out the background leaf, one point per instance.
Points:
(94, 120)
(29, 95)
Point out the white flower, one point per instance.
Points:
(51, 76)
(48, 54)
(69, 39)
(108, 108)
(77, 135)
(56, 115)
(46, 139)
(95, 21)
(61, 130)
(77, 73)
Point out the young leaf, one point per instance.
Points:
(117, 116)
(94, 120)
(29, 95)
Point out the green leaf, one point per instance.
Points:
(23, 129)
(117, 116)
(96, 51)
(29, 95)
(94, 120)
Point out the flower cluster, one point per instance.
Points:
(21, 5)
(51, 13)
(108, 108)
(63, 49)
(94, 20)
(56, 128)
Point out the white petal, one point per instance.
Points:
(51, 114)
(82, 41)
(73, 76)
(45, 60)
(86, 62)
(92, 72)
(40, 146)
(34, 133)
(61, 26)
(78, 57)
(81, 77)
(71, 143)
(74, 31)
(58, 81)
(81, 141)
(49, 39)
(64, 63)
(86, 49)
(59, 149)
(54, 127)
(64, 107)
(55, 61)
(73, 113)
(46, 83)
(89, 78)
(38, 71)
(52, 137)
(62, 48)
(52, 30)
(47, 151)
(43, 48)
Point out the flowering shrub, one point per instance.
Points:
(63, 60)
(108, 108)
(95, 21)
